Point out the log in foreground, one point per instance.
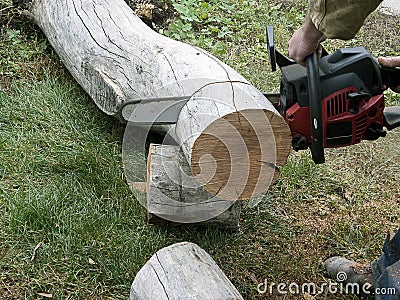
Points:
(229, 132)
(174, 196)
(182, 271)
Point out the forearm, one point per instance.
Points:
(340, 18)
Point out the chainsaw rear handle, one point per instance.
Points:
(390, 76)
(315, 98)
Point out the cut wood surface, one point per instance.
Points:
(173, 195)
(231, 135)
(182, 271)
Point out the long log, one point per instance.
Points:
(182, 271)
(231, 135)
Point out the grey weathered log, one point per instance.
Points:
(231, 135)
(174, 196)
(182, 271)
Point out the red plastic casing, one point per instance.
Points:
(335, 108)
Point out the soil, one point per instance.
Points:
(156, 14)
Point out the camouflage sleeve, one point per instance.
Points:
(340, 18)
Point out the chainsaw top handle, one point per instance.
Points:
(315, 98)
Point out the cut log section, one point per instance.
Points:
(182, 271)
(175, 196)
(231, 135)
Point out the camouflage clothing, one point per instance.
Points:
(340, 18)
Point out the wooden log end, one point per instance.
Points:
(237, 156)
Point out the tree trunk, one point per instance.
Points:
(182, 271)
(231, 135)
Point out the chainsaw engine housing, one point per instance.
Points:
(352, 99)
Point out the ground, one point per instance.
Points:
(61, 177)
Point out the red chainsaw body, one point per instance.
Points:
(341, 128)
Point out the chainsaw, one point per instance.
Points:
(336, 100)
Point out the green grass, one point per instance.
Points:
(62, 185)
(24, 50)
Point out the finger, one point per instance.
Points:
(319, 51)
(323, 38)
(302, 63)
(395, 89)
(389, 62)
(301, 52)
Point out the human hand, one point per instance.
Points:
(391, 62)
(305, 41)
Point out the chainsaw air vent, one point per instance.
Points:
(337, 104)
(361, 126)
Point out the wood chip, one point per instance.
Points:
(46, 295)
(35, 251)
(253, 277)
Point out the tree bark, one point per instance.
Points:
(182, 271)
(231, 135)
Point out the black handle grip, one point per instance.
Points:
(315, 98)
(275, 57)
(390, 76)
(271, 47)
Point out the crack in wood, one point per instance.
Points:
(173, 72)
(229, 80)
(90, 33)
(158, 277)
(104, 31)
